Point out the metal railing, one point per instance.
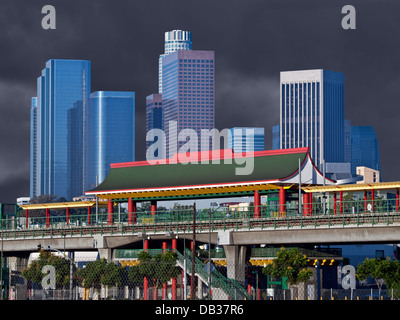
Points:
(318, 214)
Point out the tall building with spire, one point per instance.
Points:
(174, 40)
(186, 92)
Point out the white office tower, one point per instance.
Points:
(312, 113)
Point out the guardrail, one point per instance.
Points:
(321, 215)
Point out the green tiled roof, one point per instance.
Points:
(273, 166)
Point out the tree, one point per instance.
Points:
(101, 272)
(158, 269)
(382, 270)
(291, 264)
(62, 267)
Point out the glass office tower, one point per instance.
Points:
(75, 154)
(364, 148)
(246, 139)
(154, 118)
(188, 95)
(276, 137)
(312, 113)
(62, 84)
(110, 133)
(33, 149)
(174, 40)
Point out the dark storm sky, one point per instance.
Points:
(253, 40)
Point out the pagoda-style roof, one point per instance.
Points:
(211, 173)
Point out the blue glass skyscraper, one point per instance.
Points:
(312, 113)
(110, 133)
(62, 85)
(364, 148)
(33, 148)
(246, 139)
(276, 137)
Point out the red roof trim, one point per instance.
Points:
(209, 156)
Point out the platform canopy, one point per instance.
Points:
(61, 205)
(214, 173)
(358, 187)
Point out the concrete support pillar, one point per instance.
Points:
(235, 262)
(105, 253)
(110, 212)
(282, 200)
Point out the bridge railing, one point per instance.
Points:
(317, 214)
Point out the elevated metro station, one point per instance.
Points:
(287, 180)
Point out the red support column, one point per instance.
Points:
(47, 218)
(334, 203)
(26, 218)
(365, 202)
(89, 212)
(282, 201)
(174, 247)
(153, 208)
(130, 211)
(164, 290)
(372, 200)
(145, 281)
(110, 212)
(397, 200)
(68, 217)
(341, 201)
(306, 204)
(257, 208)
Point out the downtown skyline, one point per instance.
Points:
(250, 51)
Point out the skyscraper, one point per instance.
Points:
(246, 139)
(154, 113)
(312, 113)
(276, 137)
(174, 40)
(188, 95)
(364, 148)
(62, 85)
(110, 133)
(33, 148)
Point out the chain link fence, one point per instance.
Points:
(156, 276)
